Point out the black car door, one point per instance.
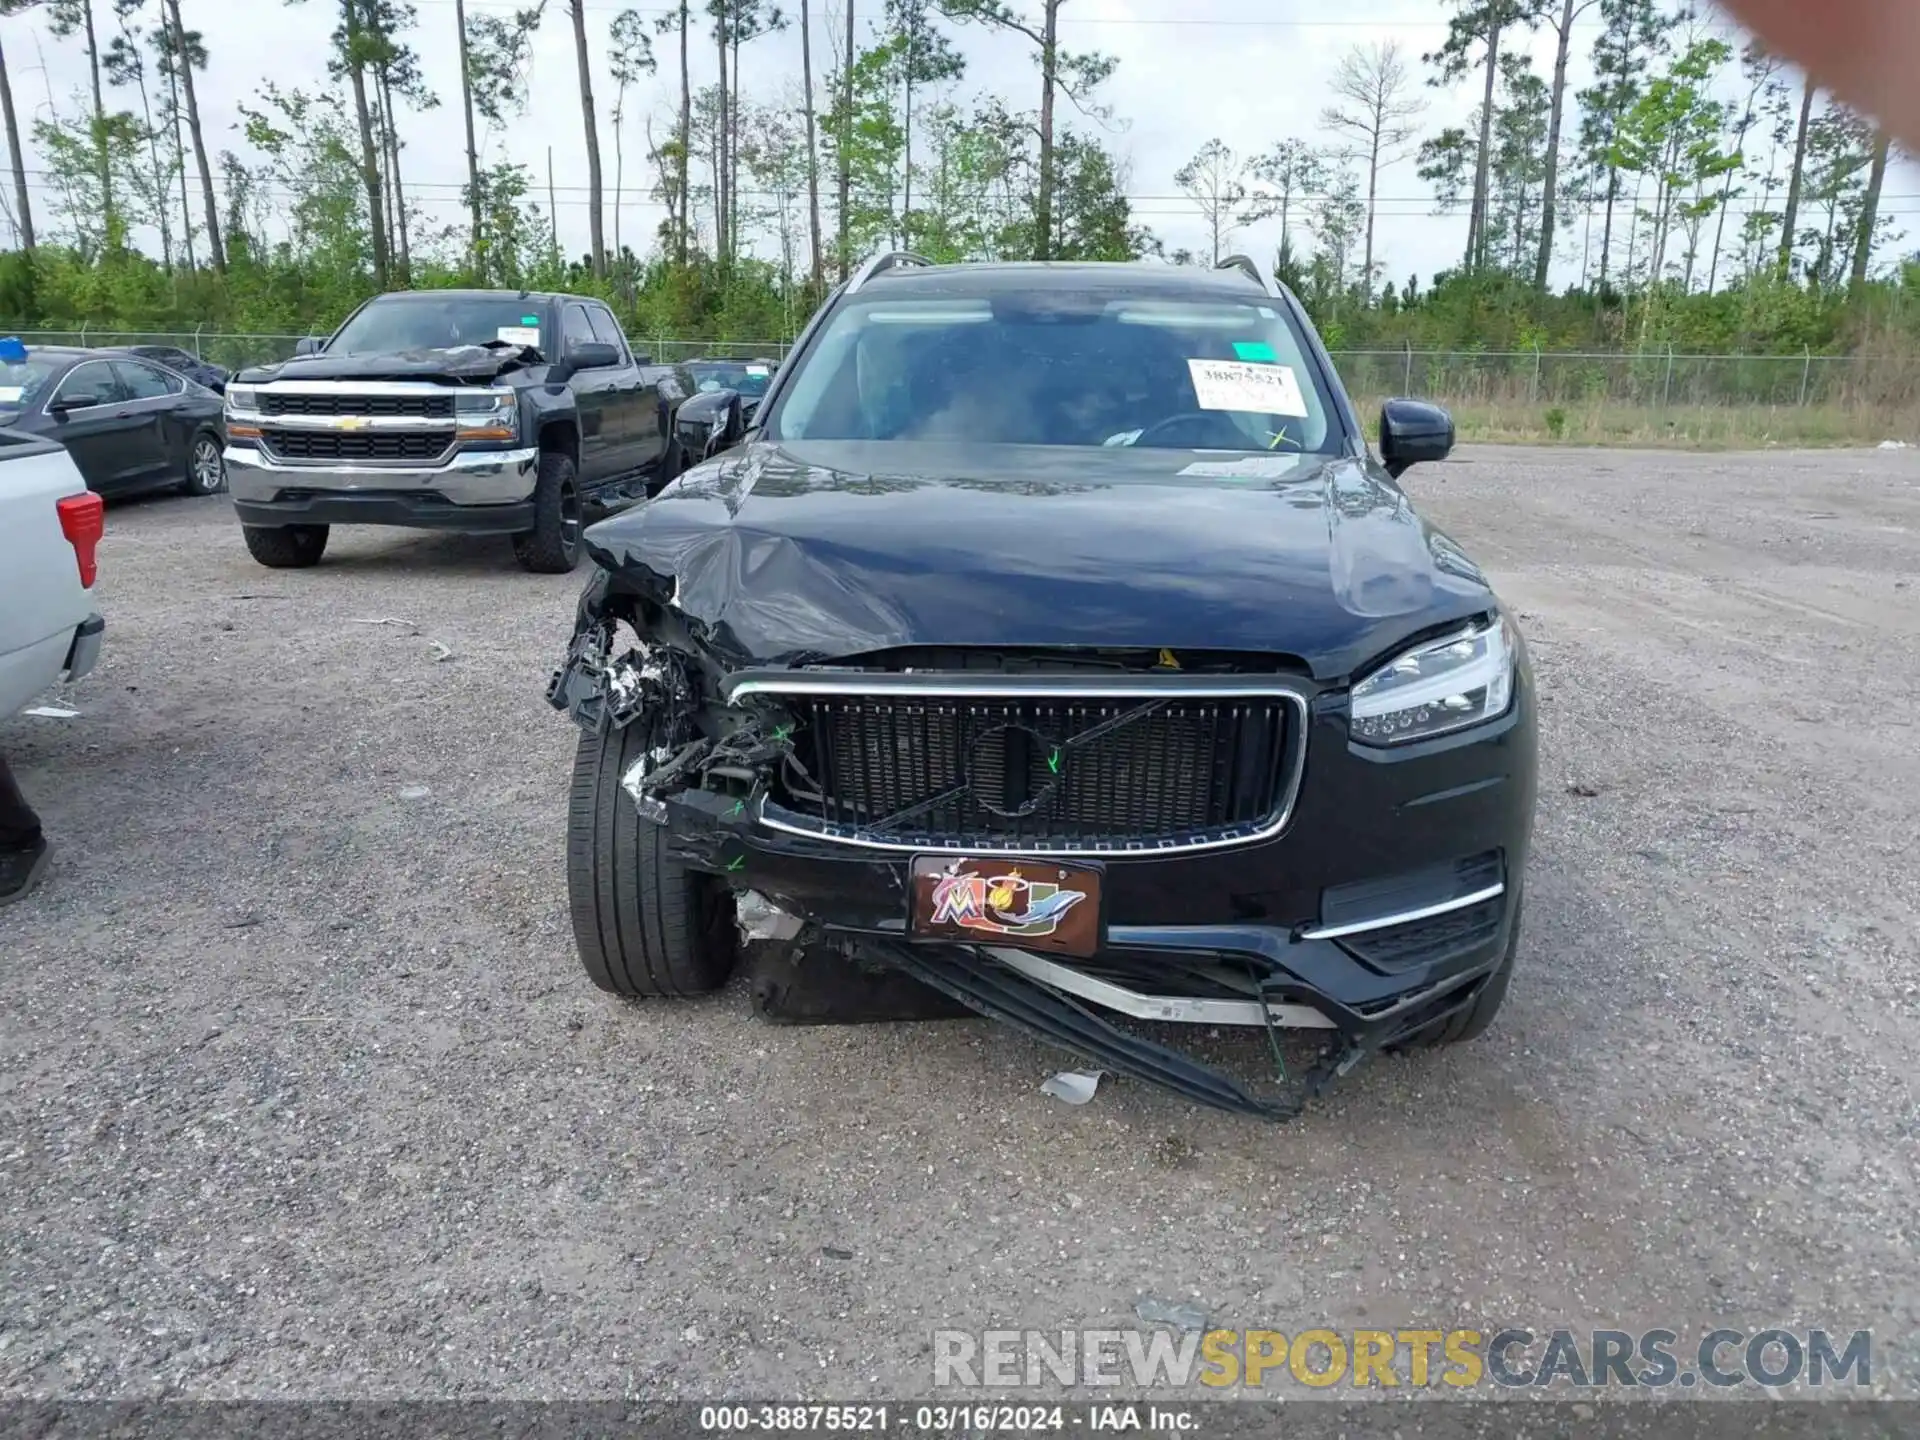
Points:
(596, 399)
(91, 414)
(157, 397)
(637, 425)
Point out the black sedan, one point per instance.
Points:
(1058, 642)
(130, 424)
(183, 362)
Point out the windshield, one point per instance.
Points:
(22, 383)
(420, 323)
(1061, 368)
(749, 377)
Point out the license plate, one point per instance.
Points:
(1025, 904)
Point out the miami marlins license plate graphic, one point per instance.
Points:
(1025, 904)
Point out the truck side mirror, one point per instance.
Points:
(308, 345)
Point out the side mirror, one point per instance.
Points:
(60, 409)
(593, 355)
(709, 422)
(640, 359)
(308, 345)
(1413, 432)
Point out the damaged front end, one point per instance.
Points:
(711, 757)
(725, 746)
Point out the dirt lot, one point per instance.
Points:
(302, 1091)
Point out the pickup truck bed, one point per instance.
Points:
(48, 627)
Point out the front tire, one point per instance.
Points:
(552, 547)
(206, 467)
(286, 547)
(645, 923)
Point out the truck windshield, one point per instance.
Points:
(1062, 368)
(21, 382)
(428, 322)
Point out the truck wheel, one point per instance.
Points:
(286, 547)
(1472, 1023)
(206, 470)
(643, 922)
(552, 547)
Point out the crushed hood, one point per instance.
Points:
(821, 550)
(466, 364)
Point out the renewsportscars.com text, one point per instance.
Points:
(1322, 1359)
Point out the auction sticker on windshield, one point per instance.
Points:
(521, 335)
(1245, 386)
(1026, 904)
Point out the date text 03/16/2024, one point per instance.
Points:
(948, 1419)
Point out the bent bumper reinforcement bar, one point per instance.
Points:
(1174, 1009)
(983, 982)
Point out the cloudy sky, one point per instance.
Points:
(1249, 71)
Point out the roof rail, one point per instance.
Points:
(1253, 270)
(886, 260)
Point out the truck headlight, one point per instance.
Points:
(486, 415)
(242, 397)
(1434, 689)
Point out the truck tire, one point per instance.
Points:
(1472, 1022)
(645, 924)
(286, 547)
(552, 547)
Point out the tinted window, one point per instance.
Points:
(143, 382)
(578, 330)
(607, 329)
(1092, 368)
(424, 321)
(90, 384)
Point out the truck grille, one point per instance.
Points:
(432, 407)
(1175, 773)
(327, 445)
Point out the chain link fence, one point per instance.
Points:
(1659, 381)
(236, 352)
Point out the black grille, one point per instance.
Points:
(1181, 770)
(327, 445)
(1424, 942)
(434, 407)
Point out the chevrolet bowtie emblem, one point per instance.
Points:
(353, 422)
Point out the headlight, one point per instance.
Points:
(486, 415)
(1437, 688)
(242, 397)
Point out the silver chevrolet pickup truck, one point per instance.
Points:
(488, 412)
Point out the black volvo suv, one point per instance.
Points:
(1054, 637)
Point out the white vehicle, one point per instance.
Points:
(50, 528)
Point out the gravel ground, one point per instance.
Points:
(304, 1093)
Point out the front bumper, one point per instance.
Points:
(1387, 903)
(487, 491)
